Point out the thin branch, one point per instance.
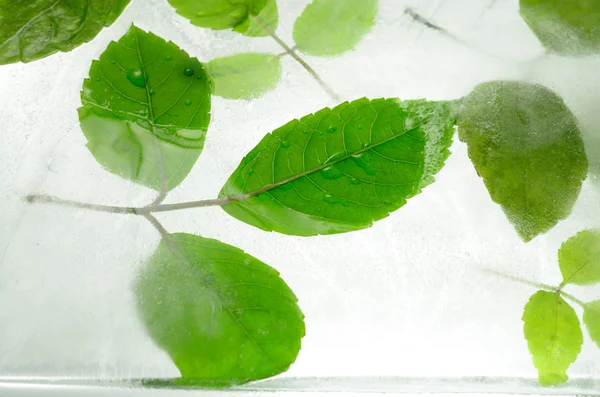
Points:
(521, 280)
(423, 21)
(292, 52)
(44, 199)
(572, 298)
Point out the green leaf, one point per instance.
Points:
(565, 27)
(34, 29)
(591, 319)
(553, 335)
(332, 27)
(223, 316)
(146, 108)
(249, 17)
(526, 145)
(340, 169)
(244, 76)
(579, 258)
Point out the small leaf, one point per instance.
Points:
(553, 335)
(526, 145)
(244, 76)
(332, 27)
(223, 316)
(591, 319)
(565, 27)
(34, 29)
(340, 169)
(579, 258)
(248, 17)
(146, 108)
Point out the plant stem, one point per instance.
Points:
(44, 199)
(521, 280)
(572, 298)
(292, 52)
(423, 21)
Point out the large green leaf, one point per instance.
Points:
(579, 258)
(591, 319)
(340, 169)
(146, 108)
(244, 76)
(526, 145)
(332, 27)
(568, 27)
(553, 335)
(248, 17)
(222, 315)
(34, 29)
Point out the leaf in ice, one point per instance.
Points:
(526, 145)
(223, 316)
(579, 258)
(244, 76)
(565, 27)
(340, 169)
(34, 29)
(591, 319)
(145, 110)
(332, 27)
(553, 335)
(248, 17)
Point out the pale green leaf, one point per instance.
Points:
(248, 17)
(340, 169)
(579, 258)
(244, 76)
(146, 108)
(526, 145)
(223, 316)
(567, 27)
(553, 335)
(591, 319)
(34, 29)
(332, 27)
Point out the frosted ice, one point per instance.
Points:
(407, 297)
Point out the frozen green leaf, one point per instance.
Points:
(248, 17)
(145, 110)
(553, 335)
(591, 319)
(223, 316)
(579, 258)
(567, 27)
(34, 29)
(332, 27)
(340, 169)
(526, 145)
(244, 76)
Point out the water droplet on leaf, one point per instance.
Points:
(331, 129)
(250, 172)
(355, 181)
(357, 155)
(285, 144)
(199, 77)
(98, 79)
(366, 145)
(136, 77)
(188, 72)
(152, 92)
(169, 58)
(331, 199)
(188, 103)
(331, 173)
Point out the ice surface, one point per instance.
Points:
(407, 297)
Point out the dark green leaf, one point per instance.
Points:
(34, 29)
(146, 108)
(568, 27)
(526, 145)
(223, 316)
(579, 258)
(332, 27)
(553, 335)
(248, 17)
(591, 319)
(244, 76)
(340, 169)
